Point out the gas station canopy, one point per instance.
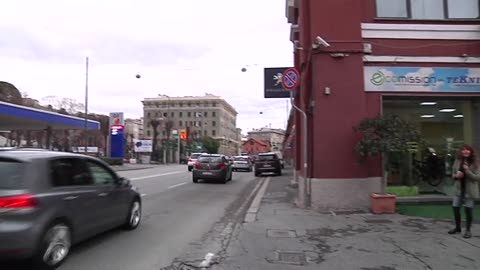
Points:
(16, 117)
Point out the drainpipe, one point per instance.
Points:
(304, 133)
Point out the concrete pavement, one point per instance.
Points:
(132, 166)
(282, 236)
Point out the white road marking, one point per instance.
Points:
(155, 175)
(177, 185)
(143, 195)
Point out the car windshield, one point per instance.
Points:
(266, 157)
(241, 159)
(11, 172)
(195, 156)
(209, 159)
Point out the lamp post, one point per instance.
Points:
(86, 104)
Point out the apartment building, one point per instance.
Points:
(417, 59)
(274, 136)
(207, 115)
(134, 128)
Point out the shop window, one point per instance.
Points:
(445, 124)
(428, 9)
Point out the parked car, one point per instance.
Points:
(191, 160)
(242, 163)
(212, 167)
(268, 162)
(52, 200)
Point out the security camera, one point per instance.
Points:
(321, 41)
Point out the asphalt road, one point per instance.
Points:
(176, 213)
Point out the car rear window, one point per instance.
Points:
(240, 159)
(11, 172)
(195, 155)
(209, 159)
(267, 157)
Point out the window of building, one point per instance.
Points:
(148, 114)
(180, 123)
(205, 133)
(214, 104)
(214, 133)
(429, 9)
(189, 114)
(172, 114)
(165, 114)
(180, 114)
(214, 123)
(205, 114)
(148, 133)
(445, 124)
(214, 114)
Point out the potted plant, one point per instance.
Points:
(380, 137)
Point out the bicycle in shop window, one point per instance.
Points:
(430, 169)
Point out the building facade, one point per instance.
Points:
(275, 137)
(360, 59)
(207, 115)
(253, 147)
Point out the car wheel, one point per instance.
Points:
(134, 215)
(54, 246)
(195, 180)
(190, 169)
(257, 174)
(279, 173)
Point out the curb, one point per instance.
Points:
(252, 211)
(131, 169)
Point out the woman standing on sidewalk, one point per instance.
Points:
(466, 173)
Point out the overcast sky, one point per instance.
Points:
(180, 48)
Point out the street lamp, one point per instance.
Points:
(86, 105)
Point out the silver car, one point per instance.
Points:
(51, 200)
(242, 163)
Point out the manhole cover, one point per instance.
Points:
(292, 257)
(281, 233)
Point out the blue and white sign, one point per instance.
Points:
(421, 79)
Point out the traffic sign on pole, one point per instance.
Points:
(291, 79)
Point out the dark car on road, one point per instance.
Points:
(52, 200)
(268, 163)
(212, 167)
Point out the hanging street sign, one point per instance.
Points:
(291, 79)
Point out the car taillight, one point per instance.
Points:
(222, 165)
(197, 165)
(190, 160)
(18, 202)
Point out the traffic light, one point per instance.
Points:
(183, 134)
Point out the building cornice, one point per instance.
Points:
(421, 31)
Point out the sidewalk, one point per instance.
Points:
(131, 166)
(285, 237)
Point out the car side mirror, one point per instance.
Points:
(122, 181)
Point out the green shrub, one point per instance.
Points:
(403, 191)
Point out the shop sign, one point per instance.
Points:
(421, 79)
(273, 87)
